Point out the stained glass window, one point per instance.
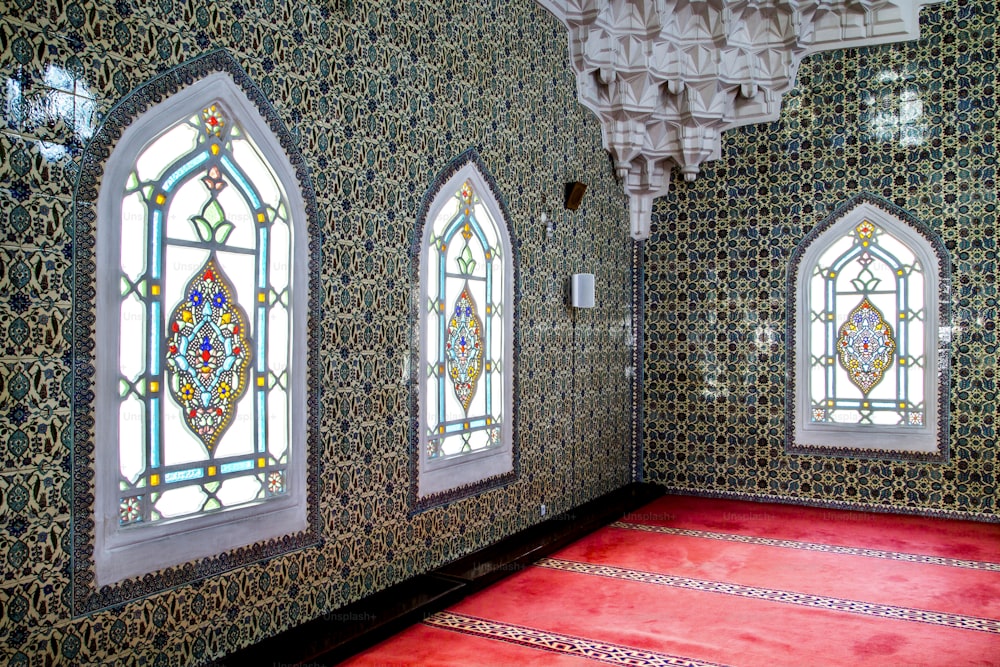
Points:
(204, 324)
(465, 335)
(867, 352)
(462, 368)
(868, 367)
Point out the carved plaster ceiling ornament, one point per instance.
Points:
(667, 77)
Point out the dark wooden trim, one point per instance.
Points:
(343, 632)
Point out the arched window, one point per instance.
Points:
(465, 357)
(201, 336)
(867, 363)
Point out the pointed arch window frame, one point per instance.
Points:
(928, 442)
(438, 482)
(112, 565)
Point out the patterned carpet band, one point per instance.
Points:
(958, 621)
(813, 546)
(611, 654)
(717, 582)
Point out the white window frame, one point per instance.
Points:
(860, 438)
(452, 473)
(129, 551)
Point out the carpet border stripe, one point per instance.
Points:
(606, 652)
(813, 546)
(874, 609)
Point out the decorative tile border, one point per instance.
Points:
(85, 596)
(638, 355)
(944, 619)
(812, 546)
(418, 504)
(608, 653)
(942, 356)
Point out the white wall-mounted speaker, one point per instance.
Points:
(582, 290)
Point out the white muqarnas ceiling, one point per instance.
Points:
(667, 77)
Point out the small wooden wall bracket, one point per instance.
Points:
(574, 194)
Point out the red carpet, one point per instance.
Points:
(694, 581)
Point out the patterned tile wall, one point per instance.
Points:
(715, 269)
(380, 96)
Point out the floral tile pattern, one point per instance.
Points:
(913, 124)
(378, 97)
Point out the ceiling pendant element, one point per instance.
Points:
(668, 77)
